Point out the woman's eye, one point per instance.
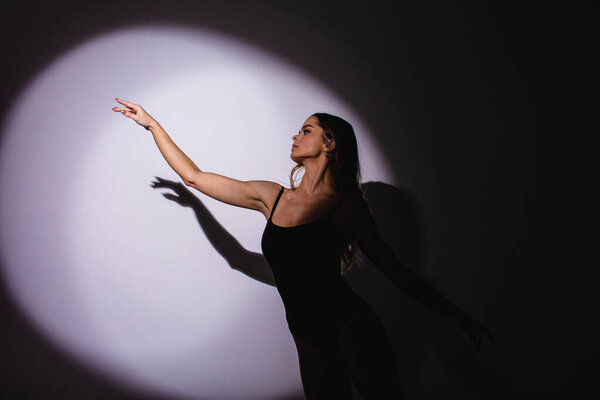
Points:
(306, 131)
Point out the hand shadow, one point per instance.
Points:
(428, 347)
(249, 263)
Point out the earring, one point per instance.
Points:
(327, 154)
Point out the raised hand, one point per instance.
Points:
(473, 329)
(136, 113)
(185, 199)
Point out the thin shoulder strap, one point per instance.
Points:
(276, 201)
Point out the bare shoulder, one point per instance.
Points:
(266, 187)
(267, 192)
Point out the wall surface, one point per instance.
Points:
(481, 112)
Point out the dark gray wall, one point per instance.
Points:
(481, 109)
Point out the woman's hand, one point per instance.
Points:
(136, 113)
(473, 329)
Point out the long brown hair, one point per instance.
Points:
(344, 166)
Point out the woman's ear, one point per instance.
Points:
(330, 145)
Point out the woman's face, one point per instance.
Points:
(309, 141)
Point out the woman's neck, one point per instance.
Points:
(317, 177)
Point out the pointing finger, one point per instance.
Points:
(128, 104)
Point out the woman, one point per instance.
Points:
(312, 231)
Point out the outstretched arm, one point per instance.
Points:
(172, 154)
(379, 253)
(247, 194)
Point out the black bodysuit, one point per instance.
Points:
(338, 336)
(305, 260)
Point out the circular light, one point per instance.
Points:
(124, 280)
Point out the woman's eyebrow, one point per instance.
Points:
(307, 125)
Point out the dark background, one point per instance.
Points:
(482, 108)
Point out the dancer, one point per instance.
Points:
(312, 233)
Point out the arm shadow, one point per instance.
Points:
(428, 348)
(247, 262)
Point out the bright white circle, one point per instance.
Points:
(121, 278)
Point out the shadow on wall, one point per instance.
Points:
(433, 358)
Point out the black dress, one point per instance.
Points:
(305, 260)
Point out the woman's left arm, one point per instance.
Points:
(379, 253)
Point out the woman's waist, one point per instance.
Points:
(321, 297)
(323, 323)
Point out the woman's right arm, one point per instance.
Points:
(247, 194)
